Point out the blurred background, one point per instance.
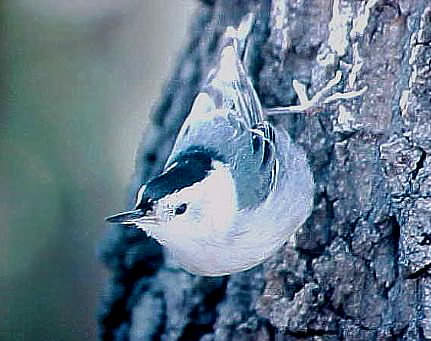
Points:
(78, 80)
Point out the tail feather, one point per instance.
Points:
(237, 37)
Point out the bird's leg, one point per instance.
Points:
(313, 105)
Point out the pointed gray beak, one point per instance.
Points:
(135, 217)
(129, 217)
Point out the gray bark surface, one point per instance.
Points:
(360, 268)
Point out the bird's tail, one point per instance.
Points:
(237, 37)
(228, 84)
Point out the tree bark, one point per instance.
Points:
(360, 268)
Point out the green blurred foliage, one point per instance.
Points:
(76, 88)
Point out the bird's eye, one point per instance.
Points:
(181, 209)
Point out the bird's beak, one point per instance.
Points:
(134, 217)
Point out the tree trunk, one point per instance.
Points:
(360, 268)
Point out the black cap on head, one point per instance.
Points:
(188, 168)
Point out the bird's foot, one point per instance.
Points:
(315, 104)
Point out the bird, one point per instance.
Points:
(235, 187)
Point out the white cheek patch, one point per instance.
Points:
(221, 198)
(211, 205)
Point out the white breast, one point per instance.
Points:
(253, 236)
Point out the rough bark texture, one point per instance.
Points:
(360, 268)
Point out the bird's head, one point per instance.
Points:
(193, 200)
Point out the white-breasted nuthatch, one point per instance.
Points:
(234, 188)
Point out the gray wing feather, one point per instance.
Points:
(227, 117)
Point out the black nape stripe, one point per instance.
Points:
(188, 168)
